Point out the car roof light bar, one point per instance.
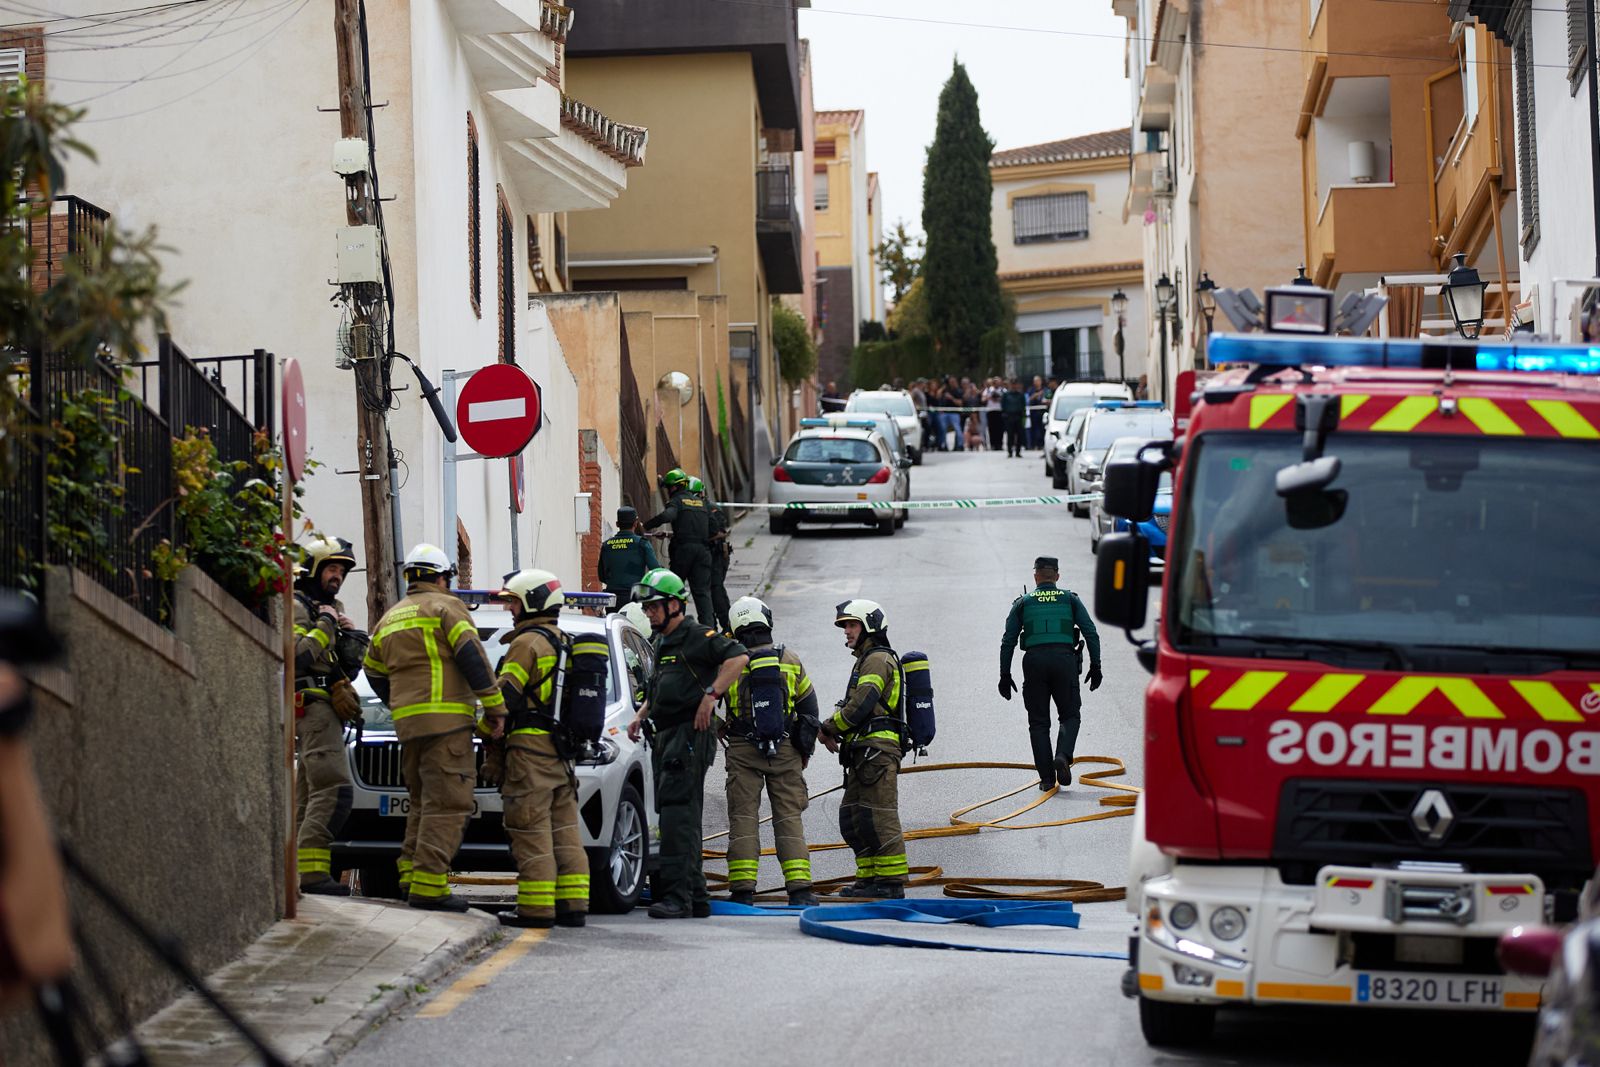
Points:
(834, 422)
(1277, 350)
(1128, 404)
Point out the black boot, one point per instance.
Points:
(887, 891)
(327, 887)
(526, 922)
(1063, 771)
(1046, 784)
(802, 898)
(701, 909)
(669, 909)
(572, 918)
(449, 902)
(861, 887)
(747, 897)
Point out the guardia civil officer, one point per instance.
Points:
(428, 665)
(866, 730)
(625, 556)
(755, 761)
(538, 786)
(1050, 622)
(695, 666)
(328, 650)
(721, 553)
(691, 539)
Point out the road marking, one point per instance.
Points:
(482, 975)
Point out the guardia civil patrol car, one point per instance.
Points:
(838, 461)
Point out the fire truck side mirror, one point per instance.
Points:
(1122, 580)
(1130, 489)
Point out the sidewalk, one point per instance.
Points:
(756, 553)
(314, 985)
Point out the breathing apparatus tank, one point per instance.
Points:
(582, 701)
(920, 724)
(769, 702)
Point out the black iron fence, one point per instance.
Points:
(22, 508)
(230, 397)
(67, 227)
(636, 489)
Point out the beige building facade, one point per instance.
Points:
(847, 201)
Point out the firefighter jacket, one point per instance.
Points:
(687, 661)
(1048, 616)
(689, 517)
(528, 680)
(315, 666)
(427, 663)
(872, 700)
(625, 557)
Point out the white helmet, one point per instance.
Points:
(749, 611)
(425, 562)
(635, 614)
(534, 592)
(867, 612)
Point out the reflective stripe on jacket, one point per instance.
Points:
(528, 672)
(427, 663)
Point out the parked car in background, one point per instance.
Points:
(616, 793)
(1058, 450)
(1154, 528)
(1072, 397)
(895, 402)
(1103, 424)
(884, 423)
(831, 462)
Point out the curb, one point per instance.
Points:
(768, 569)
(428, 971)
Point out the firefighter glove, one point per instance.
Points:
(493, 771)
(346, 704)
(1007, 686)
(1094, 676)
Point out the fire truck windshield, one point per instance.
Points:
(1444, 543)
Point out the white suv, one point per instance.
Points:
(1068, 398)
(896, 402)
(616, 793)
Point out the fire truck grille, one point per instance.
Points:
(378, 765)
(1491, 828)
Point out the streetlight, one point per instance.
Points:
(1206, 292)
(1463, 292)
(1119, 308)
(1165, 294)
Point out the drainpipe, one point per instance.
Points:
(1594, 126)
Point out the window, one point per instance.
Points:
(560, 264)
(1057, 217)
(826, 149)
(474, 221)
(12, 64)
(820, 189)
(1527, 147)
(832, 450)
(1469, 78)
(1577, 47)
(506, 261)
(541, 280)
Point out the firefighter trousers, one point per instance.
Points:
(540, 793)
(785, 782)
(680, 755)
(322, 782)
(720, 557)
(691, 561)
(440, 772)
(1050, 672)
(869, 815)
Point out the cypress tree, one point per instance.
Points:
(960, 269)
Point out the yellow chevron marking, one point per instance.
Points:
(1349, 402)
(1262, 408)
(1247, 692)
(1564, 418)
(1547, 701)
(1327, 692)
(1404, 416)
(1196, 676)
(1488, 418)
(1403, 697)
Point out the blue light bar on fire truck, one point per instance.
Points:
(1278, 350)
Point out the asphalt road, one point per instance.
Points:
(755, 990)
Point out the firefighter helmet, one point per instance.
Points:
(426, 562)
(674, 478)
(324, 550)
(695, 485)
(749, 611)
(660, 584)
(867, 612)
(635, 614)
(534, 592)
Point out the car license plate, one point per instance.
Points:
(400, 804)
(1437, 991)
(826, 510)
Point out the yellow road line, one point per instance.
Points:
(482, 975)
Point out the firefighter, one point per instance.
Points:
(721, 554)
(1050, 622)
(695, 666)
(775, 757)
(625, 556)
(328, 650)
(691, 539)
(538, 785)
(428, 665)
(866, 730)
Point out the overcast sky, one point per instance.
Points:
(1032, 86)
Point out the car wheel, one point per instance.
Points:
(916, 457)
(379, 880)
(887, 527)
(779, 525)
(617, 873)
(1058, 479)
(1176, 1025)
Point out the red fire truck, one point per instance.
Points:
(1372, 741)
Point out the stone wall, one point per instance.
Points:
(161, 757)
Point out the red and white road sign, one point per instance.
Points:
(294, 419)
(498, 410)
(519, 485)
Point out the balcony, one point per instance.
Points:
(69, 227)
(584, 166)
(778, 229)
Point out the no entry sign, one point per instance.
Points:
(294, 419)
(498, 410)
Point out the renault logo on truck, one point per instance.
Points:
(1432, 816)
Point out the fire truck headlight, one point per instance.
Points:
(1183, 915)
(1227, 923)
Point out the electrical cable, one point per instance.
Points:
(96, 17)
(239, 24)
(151, 74)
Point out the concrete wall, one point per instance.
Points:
(840, 325)
(161, 758)
(589, 328)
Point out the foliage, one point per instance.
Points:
(960, 266)
(228, 519)
(797, 352)
(1002, 341)
(873, 331)
(909, 316)
(900, 259)
(84, 478)
(884, 361)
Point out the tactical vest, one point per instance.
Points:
(1047, 618)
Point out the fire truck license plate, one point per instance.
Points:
(1439, 991)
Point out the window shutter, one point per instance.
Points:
(1577, 47)
(13, 64)
(1057, 217)
(1527, 140)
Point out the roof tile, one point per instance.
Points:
(1104, 145)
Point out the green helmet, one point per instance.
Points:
(674, 478)
(696, 485)
(660, 584)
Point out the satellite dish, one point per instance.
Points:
(678, 382)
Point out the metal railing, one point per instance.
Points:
(711, 454)
(635, 437)
(620, 141)
(739, 430)
(775, 200)
(22, 509)
(199, 394)
(67, 227)
(666, 459)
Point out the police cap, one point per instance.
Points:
(1046, 563)
(626, 517)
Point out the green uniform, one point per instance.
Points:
(783, 776)
(686, 665)
(1048, 622)
(869, 723)
(690, 520)
(721, 554)
(624, 559)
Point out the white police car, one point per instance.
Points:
(833, 462)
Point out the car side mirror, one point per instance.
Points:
(904, 463)
(1530, 951)
(1122, 580)
(775, 460)
(1130, 489)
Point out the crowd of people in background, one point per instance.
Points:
(959, 414)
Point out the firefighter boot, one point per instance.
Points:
(747, 897)
(326, 887)
(526, 922)
(802, 898)
(448, 902)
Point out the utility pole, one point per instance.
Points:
(370, 349)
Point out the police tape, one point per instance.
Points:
(954, 504)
